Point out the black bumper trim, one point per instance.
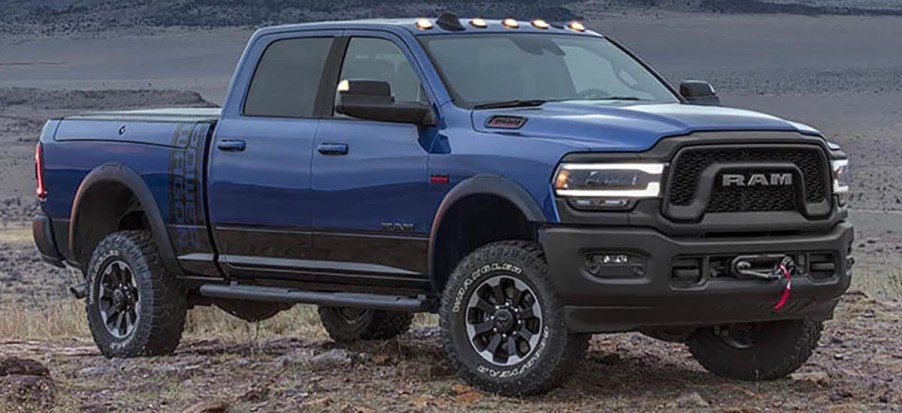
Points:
(595, 305)
(42, 231)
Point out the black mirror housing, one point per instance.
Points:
(699, 92)
(372, 100)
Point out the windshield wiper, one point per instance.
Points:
(511, 104)
(633, 98)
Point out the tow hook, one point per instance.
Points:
(782, 271)
(760, 266)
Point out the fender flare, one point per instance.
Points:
(484, 184)
(121, 174)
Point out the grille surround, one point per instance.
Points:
(693, 186)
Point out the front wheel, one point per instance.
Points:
(502, 325)
(756, 351)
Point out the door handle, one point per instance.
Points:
(333, 149)
(231, 145)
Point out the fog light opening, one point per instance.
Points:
(615, 265)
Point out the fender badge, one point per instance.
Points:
(505, 122)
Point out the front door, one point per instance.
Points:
(370, 178)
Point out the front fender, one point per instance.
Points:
(485, 184)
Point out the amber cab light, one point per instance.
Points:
(40, 189)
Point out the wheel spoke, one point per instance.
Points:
(110, 320)
(512, 350)
(494, 344)
(483, 327)
(518, 297)
(120, 325)
(498, 293)
(116, 274)
(484, 305)
(525, 334)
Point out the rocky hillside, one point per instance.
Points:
(62, 16)
(68, 16)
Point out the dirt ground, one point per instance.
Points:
(857, 367)
(840, 74)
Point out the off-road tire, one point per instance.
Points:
(163, 307)
(252, 311)
(371, 325)
(781, 348)
(558, 350)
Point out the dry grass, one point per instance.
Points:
(15, 235)
(65, 318)
(58, 319)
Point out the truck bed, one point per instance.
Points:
(190, 115)
(163, 148)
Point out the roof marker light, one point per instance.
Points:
(424, 24)
(540, 24)
(510, 23)
(478, 23)
(577, 26)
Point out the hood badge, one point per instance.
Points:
(505, 122)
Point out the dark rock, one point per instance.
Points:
(25, 367)
(29, 391)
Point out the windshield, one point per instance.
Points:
(509, 69)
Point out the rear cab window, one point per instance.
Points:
(287, 78)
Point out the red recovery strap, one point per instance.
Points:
(787, 275)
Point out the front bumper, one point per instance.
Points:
(650, 299)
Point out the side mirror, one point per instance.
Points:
(699, 92)
(372, 100)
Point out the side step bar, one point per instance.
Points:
(284, 295)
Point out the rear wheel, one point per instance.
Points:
(252, 311)
(502, 325)
(345, 324)
(134, 306)
(756, 351)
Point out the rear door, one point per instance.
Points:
(370, 178)
(259, 171)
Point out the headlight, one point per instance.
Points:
(607, 186)
(841, 176)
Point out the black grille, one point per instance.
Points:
(752, 199)
(691, 162)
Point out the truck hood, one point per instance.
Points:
(630, 127)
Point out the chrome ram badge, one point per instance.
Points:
(773, 179)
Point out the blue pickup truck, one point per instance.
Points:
(533, 183)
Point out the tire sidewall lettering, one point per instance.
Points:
(496, 372)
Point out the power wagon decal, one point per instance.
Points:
(186, 210)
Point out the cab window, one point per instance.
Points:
(287, 78)
(379, 59)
